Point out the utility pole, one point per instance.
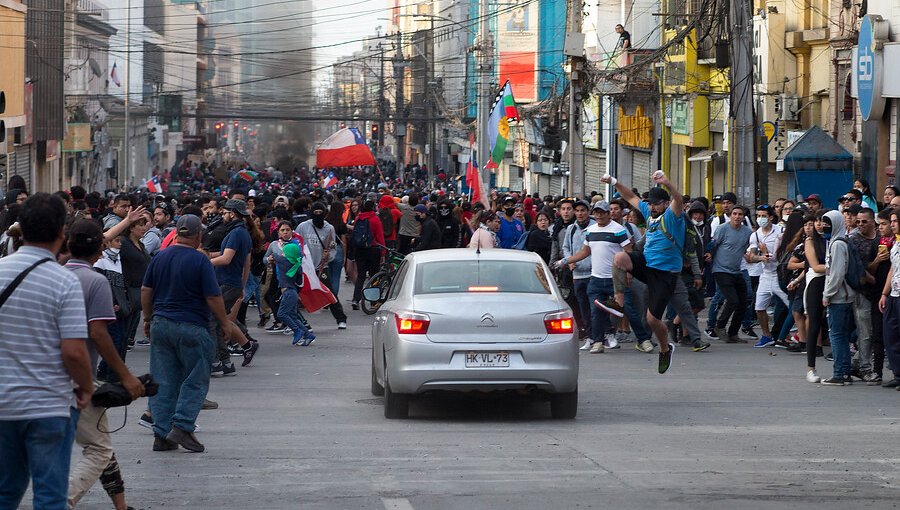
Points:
(127, 170)
(484, 46)
(575, 182)
(400, 121)
(743, 157)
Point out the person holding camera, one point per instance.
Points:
(98, 459)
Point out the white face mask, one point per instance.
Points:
(763, 222)
(114, 251)
(698, 223)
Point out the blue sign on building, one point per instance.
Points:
(869, 69)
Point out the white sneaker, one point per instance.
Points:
(587, 344)
(611, 342)
(597, 348)
(645, 346)
(813, 377)
(342, 325)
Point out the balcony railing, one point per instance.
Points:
(93, 8)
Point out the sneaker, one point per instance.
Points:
(143, 341)
(813, 377)
(797, 347)
(834, 381)
(185, 439)
(287, 331)
(217, 369)
(586, 345)
(611, 342)
(208, 404)
(161, 444)
(782, 344)
(228, 369)
(828, 357)
(645, 346)
(234, 350)
(872, 379)
(711, 333)
(146, 420)
(893, 383)
(354, 305)
(597, 348)
(342, 325)
(249, 352)
(848, 380)
(623, 337)
(699, 345)
(764, 341)
(721, 333)
(308, 339)
(610, 306)
(748, 330)
(276, 327)
(665, 359)
(298, 337)
(263, 319)
(672, 328)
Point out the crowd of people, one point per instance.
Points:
(179, 272)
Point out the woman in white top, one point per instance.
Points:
(484, 236)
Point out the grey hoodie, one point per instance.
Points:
(572, 244)
(836, 263)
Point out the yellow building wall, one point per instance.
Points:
(12, 59)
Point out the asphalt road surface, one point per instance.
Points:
(730, 428)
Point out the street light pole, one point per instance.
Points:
(128, 169)
(484, 45)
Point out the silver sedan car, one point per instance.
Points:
(467, 320)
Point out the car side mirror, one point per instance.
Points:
(372, 294)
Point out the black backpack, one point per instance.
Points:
(362, 234)
(784, 274)
(856, 271)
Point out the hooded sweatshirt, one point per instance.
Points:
(374, 226)
(836, 262)
(386, 203)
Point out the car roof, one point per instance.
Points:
(463, 254)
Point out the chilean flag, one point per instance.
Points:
(114, 76)
(153, 185)
(314, 295)
(331, 180)
(347, 147)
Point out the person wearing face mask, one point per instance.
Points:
(814, 249)
(448, 224)
(838, 298)
(320, 237)
(763, 247)
(110, 265)
(511, 229)
(430, 238)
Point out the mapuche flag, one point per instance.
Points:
(502, 113)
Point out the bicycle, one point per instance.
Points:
(382, 279)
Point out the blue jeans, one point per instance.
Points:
(635, 311)
(180, 356)
(334, 270)
(39, 449)
(287, 311)
(580, 289)
(840, 323)
(714, 305)
(252, 289)
(599, 289)
(104, 373)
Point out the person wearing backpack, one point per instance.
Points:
(838, 297)
(865, 241)
(390, 219)
(368, 233)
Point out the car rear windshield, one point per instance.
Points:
(481, 276)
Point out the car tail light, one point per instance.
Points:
(483, 288)
(409, 323)
(559, 323)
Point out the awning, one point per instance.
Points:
(707, 155)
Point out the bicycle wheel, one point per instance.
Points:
(379, 280)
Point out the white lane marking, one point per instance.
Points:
(396, 504)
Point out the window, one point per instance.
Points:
(484, 276)
(397, 283)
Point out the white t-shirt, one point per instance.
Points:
(771, 240)
(605, 242)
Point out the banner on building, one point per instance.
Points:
(78, 138)
(517, 44)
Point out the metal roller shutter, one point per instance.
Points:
(556, 185)
(640, 168)
(544, 185)
(20, 164)
(594, 164)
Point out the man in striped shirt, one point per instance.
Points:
(42, 350)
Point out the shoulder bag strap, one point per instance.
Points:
(15, 283)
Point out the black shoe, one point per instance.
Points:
(782, 344)
(834, 381)
(209, 404)
(228, 369)
(234, 350)
(699, 345)
(893, 383)
(848, 380)
(263, 319)
(748, 330)
(146, 420)
(355, 305)
(711, 333)
(185, 439)
(819, 352)
(797, 347)
(161, 444)
(249, 352)
(665, 359)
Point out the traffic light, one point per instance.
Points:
(375, 133)
(2, 110)
(236, 123)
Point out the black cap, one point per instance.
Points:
(236, 206)
(731, 197)
(581, 203)
(656, 195)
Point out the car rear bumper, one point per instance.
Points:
(551, 366)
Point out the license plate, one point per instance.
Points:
(487, 359)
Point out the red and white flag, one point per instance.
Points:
(153, 185)
(314, 295)
(114, 76)
(347, 147)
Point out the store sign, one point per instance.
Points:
(518, 45)
(680, 117)
(78, 138)
(869, 68)
(636, 130)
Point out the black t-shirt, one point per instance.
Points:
(625, 39)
